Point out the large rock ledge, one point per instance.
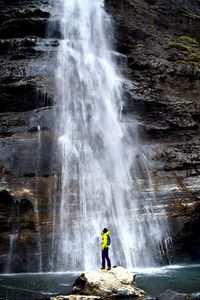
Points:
(102, 284)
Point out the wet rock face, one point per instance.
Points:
(27, 58)
(161, 41)
(17, 224)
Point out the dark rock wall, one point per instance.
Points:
(161, 40)
(27, 60)
(161, 67)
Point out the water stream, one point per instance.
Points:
(14, 221)
(100, 183)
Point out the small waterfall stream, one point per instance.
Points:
(99, 181)
(37, 204)
(14, 234)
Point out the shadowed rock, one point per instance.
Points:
(171, 295)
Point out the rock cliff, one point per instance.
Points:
(161, 42)
(160, 46)
(26, 97)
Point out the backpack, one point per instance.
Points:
(108, 241)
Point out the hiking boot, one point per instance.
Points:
(102, 268)
(109, 269)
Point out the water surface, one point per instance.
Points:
(185, 278)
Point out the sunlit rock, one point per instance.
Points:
(116, 282)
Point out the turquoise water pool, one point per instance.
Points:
(181, 278)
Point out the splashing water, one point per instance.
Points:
(98, 178)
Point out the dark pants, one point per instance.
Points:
(105, 258)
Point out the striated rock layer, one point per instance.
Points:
(159, 42)
(27, 59)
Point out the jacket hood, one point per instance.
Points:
(106, 233)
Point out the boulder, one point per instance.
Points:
(172, 295)
(116, 282)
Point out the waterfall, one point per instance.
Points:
(98, 182)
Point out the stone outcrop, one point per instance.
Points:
(171, 295)
(117, 282)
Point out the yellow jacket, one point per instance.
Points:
(104, 243)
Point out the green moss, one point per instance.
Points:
(191, 52)
(191, 63)
(167, 35)
(188, 39)
(195, 55)
(180, 46)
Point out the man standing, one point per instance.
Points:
(105, 247)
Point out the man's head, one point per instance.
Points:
(105, 230)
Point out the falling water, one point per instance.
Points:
(37, 214)
(98, 179)
(14, 221)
